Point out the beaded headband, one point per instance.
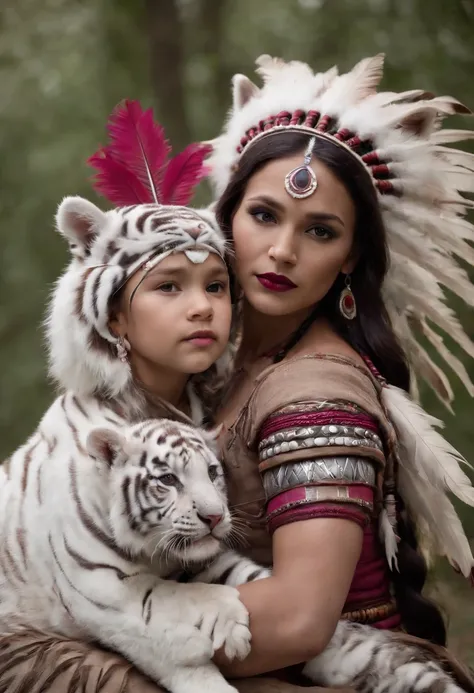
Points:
(133, 169)
(378, 171)
(398, 140)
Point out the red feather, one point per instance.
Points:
(139, 143)
(133, 168)
(115, 182)
(183, 173)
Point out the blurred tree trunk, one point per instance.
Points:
(165, 34)
(212, 17)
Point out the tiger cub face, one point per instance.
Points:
(166, 489)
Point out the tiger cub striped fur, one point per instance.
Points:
(358, 656)
(94, 517)
(93, 521)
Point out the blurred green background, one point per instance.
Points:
(64, 64)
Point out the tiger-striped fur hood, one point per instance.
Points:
(107, 248)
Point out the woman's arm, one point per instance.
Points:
(294, 613)
(313, 425)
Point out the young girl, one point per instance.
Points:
(143, 309)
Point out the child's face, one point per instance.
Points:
(179, 318)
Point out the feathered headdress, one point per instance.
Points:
(398, 140)
(148, 223)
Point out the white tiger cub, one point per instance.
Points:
(92, 520)
(88, 540)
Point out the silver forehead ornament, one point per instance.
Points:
(301, 181)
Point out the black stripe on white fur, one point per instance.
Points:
(229, 568)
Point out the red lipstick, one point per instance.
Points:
(275, 282)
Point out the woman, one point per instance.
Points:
(302, 243)
(322, 183)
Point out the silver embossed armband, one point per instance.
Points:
(324, 470)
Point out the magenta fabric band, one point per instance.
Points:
(313, 510)
(300, 494)
(321, 418)
(388, 623)
(374, 370)
(371, 591)
(371, 583)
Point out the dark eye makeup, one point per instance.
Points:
(318, 231)
(262, 215)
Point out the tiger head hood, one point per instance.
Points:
(107, 248)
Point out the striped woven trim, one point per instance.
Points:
(305, 437)
(371, 614)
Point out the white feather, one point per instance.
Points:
(449, 230)
(456, 157)
(439, 527)
(448, 104)
(413, 245)
(431, 373)
(386, 98)
(389, 540)
(409, 295)
(415, 388)
(420, 360)
(457, 365)
(436, 460)
(274, 68)
(353, 87)
(449, 136)
(459, 178)
(429, 468)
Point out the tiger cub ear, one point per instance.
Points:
(79, 221)
(213, 433)
(105, 445)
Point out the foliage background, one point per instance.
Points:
(64, 64)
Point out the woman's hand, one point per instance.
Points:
(294, 613)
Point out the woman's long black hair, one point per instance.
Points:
(370, 333)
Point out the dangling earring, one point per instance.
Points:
(347, 304)
(123, 347)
